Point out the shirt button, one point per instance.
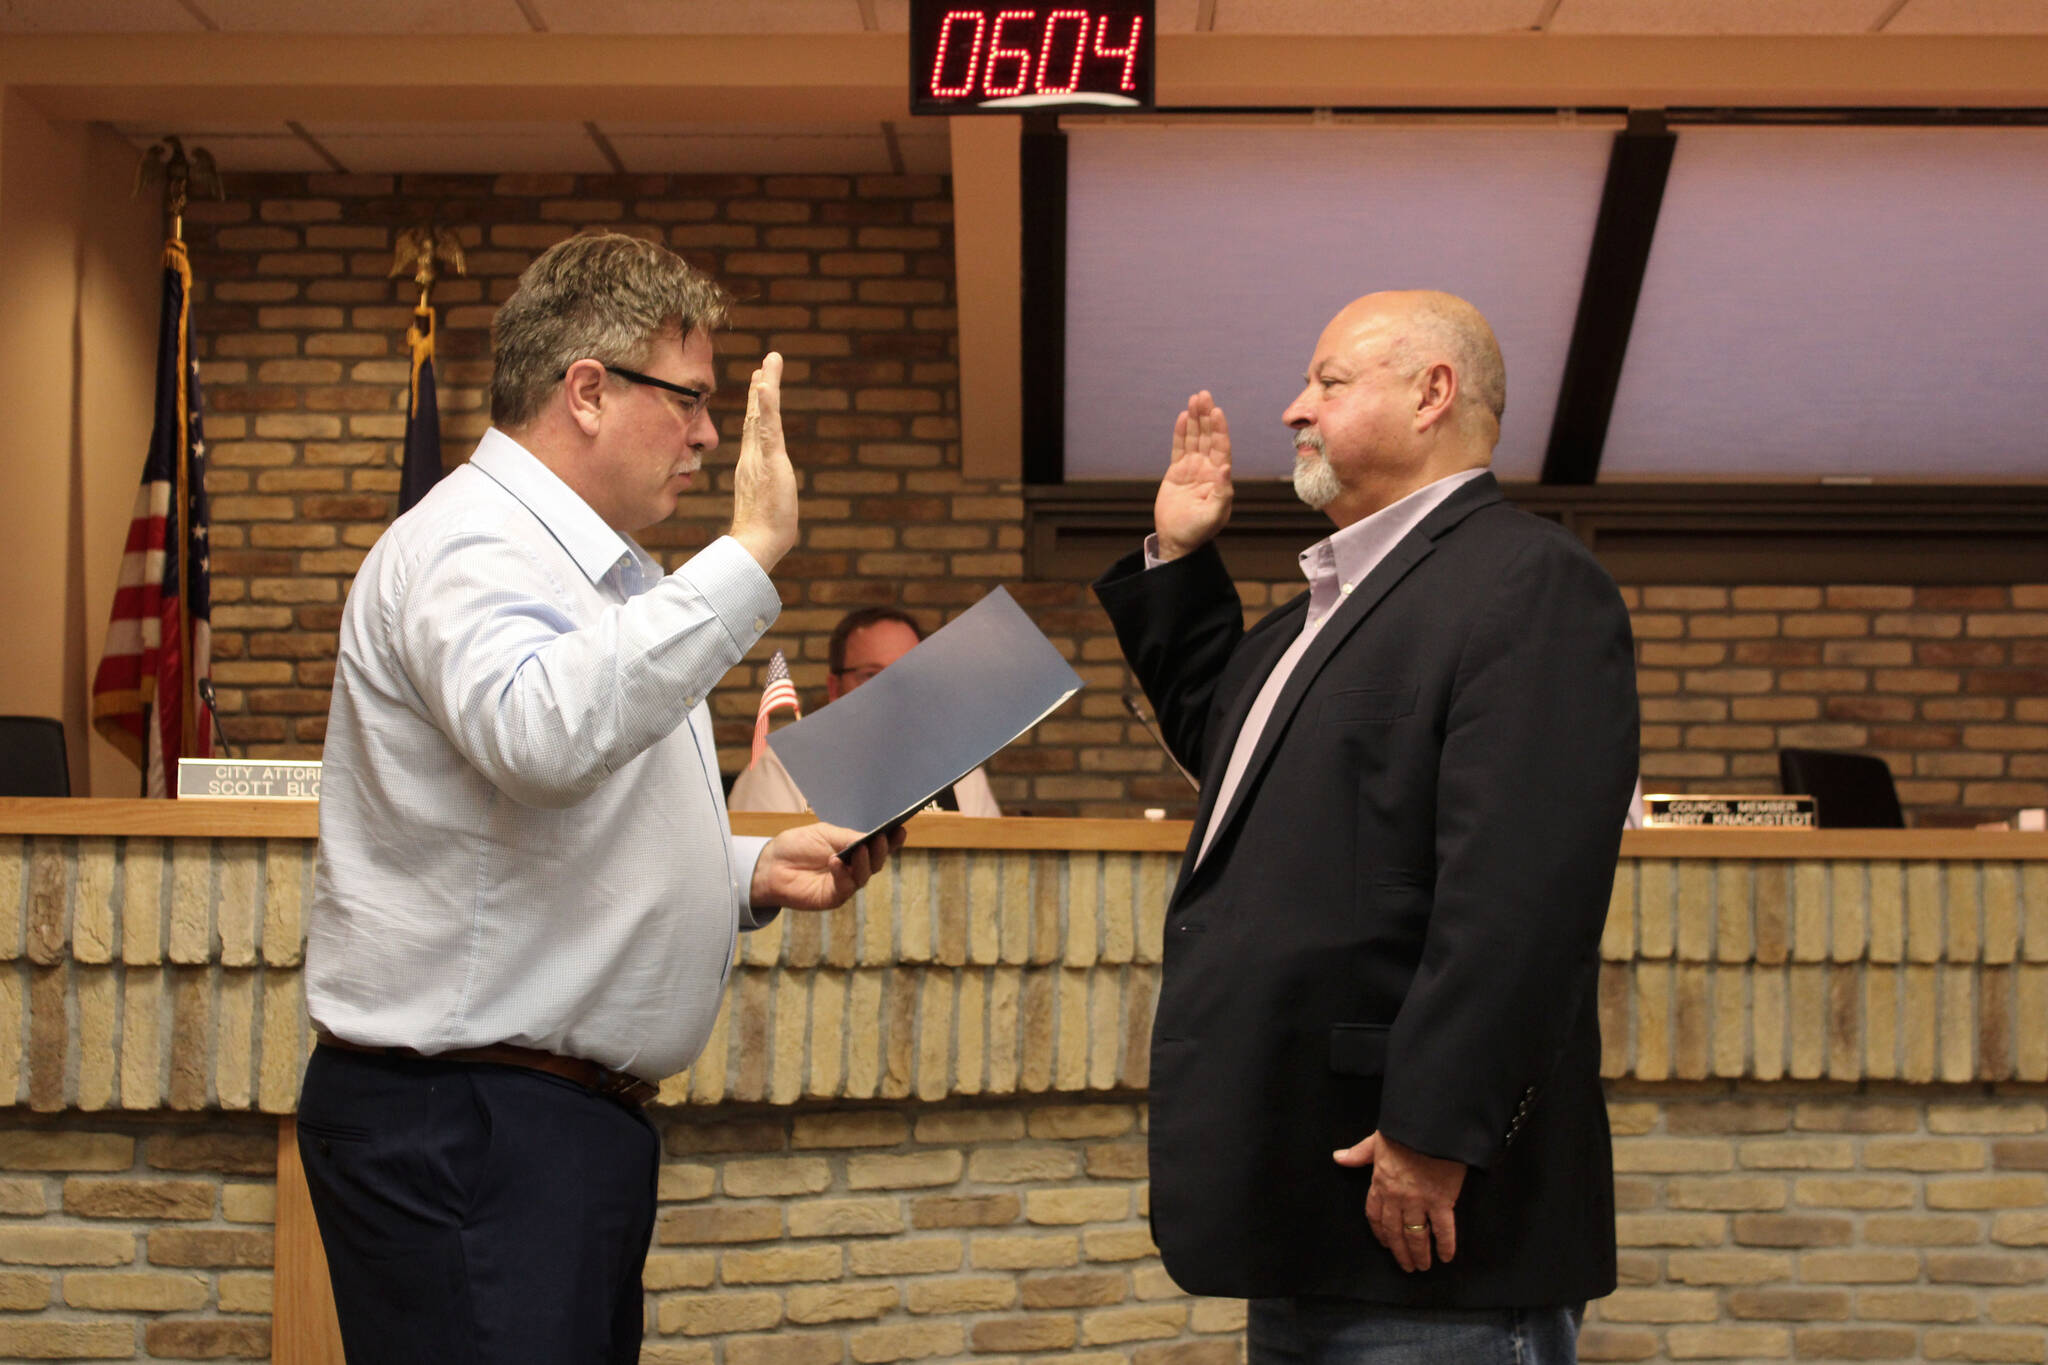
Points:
(689, 701)
(760, 624)
(1346, 589)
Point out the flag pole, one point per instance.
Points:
(182, 174)
(143, 695)
(177, 185)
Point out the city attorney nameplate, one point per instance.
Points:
(1728, 812)
(248, 779)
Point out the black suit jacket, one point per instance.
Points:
(1397, 926)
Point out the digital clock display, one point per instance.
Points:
(968, 58)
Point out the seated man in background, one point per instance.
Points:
(864, 643)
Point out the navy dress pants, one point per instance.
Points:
(476, 1214)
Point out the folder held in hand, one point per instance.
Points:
(882, 752)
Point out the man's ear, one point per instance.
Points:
(1437, 393)
(583, 391)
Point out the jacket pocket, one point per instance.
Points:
(1369, 705)
(1359, 1049)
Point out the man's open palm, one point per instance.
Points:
(1194, 497)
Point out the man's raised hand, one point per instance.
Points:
(1194, 497)
(764, 481)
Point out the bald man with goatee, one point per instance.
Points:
(1376, 1105)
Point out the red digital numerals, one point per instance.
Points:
(1013, 67)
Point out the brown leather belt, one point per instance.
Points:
(622, 1086)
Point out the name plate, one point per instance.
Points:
(248, 779)
(1728, 812)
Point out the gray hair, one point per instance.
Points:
(604, 297)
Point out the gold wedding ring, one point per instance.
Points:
(1413, 1227)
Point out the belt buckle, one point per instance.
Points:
(624, 1087)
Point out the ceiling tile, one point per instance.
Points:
(1717, 17)
(96, 16)
(550, 147)
(367, 16)
(701, 16)
(1971, 16)
(326, 128)
(200, 134)
(786, 154)
(1383, 16)
(615, 128)
(235, 154)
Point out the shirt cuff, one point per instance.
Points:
(736, 587)
(1152, 559)
(746, 852)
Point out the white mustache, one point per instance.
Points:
(1310, 440)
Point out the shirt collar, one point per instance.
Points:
(1340, 561)
(576, 527)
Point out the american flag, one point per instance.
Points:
(779, 692)
(159, 646)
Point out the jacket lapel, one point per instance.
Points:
(1273, 635)
(1415, 547)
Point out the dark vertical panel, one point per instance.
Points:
(1622, 234)
(1042, 183)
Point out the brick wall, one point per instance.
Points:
(916, 1130)
(1948, 684)
(126, 1238)
(1767, 1223)
(302, 336)
(1757, 1222)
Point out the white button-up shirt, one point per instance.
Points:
(522, 833)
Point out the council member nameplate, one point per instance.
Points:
(880, 753)
(1728, 812)
(248, 779)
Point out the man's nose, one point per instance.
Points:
(1297, 414)
(704, 437)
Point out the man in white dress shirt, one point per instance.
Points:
(528, 891)
(866, 641)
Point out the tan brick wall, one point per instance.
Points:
(302, 338)
(1864, 1223)
(1756, 1222)
(136, 1239)
(917, 1132)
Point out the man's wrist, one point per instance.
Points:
(766, 547)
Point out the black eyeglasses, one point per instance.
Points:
(694, 398)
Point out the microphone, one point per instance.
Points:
(206, 695)
(1138, 715)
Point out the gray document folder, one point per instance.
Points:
(877, 755)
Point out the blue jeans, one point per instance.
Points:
(1328, 1331)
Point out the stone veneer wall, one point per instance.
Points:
(302, 339)
(917, 1133)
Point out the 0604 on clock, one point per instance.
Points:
(1005, 58)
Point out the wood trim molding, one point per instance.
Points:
(1537, 70)
(708, 77)
(1642, 532)
(82, 817)
(988, 270)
